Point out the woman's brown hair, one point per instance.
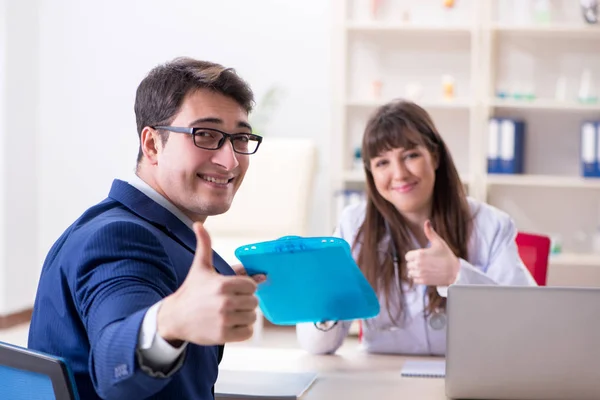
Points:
(403, 124)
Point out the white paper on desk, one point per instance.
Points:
(424, 369)
(263, 385)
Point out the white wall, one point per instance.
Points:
(3, 77)
(19, 90)
(92, 56)
(68, 74)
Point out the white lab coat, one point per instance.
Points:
(493, 259)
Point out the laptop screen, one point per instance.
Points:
(27, 375)
(17, 384)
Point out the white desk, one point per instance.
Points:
(349, 374)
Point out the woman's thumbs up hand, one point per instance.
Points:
(436, 265)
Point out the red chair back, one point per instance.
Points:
(535, 252)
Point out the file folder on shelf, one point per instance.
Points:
(506, 142)
(309, 279)
(512, 142)
(493, 155)
(589, 149)
(597, 160)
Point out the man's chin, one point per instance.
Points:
(214, 210)
(217, 212)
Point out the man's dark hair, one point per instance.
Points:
(160, 95)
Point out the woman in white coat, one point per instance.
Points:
(416, 234)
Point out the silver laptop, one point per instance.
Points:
(523, 342)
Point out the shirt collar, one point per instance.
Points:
(149, 191)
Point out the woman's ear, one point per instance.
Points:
(435, 159)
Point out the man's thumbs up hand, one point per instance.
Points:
(203, 256)
(208, 308)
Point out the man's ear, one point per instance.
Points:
(150, 144)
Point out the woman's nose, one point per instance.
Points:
(400, 170)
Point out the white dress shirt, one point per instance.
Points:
(493, 259)
(156, 355)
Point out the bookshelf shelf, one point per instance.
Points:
(579, 259)
(435, 104)
(354, 175)
(544, 104)
(386, 27)
(550, 30)
(544, 181)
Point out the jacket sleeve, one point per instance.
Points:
(122, 270)
(504, 266)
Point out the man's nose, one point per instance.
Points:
(225, 156)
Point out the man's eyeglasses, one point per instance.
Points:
(213, 139)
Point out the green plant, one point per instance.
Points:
(266, 106)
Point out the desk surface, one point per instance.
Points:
(349, 374)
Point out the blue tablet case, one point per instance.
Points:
(309, 279)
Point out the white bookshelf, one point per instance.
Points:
(584, 260)
(549, 181)
(551, 30)
(383, 27)
(544, 104)
(459, 103)
(486, 49)
(354, 175)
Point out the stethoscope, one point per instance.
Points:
(437, 320)
(590, 11)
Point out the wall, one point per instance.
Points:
(18, 152)
(3, 94)
(69, 70)
(92, 56)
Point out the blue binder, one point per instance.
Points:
(493, 154)
(512, 143)
(597, 160)
(589, 146)
(309, 279)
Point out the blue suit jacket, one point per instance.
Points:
(99, 279)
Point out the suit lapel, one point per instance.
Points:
(221, 265)
(148, 209)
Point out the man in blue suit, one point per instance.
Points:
(131, 294)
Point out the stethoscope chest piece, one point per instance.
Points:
(437, 321)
